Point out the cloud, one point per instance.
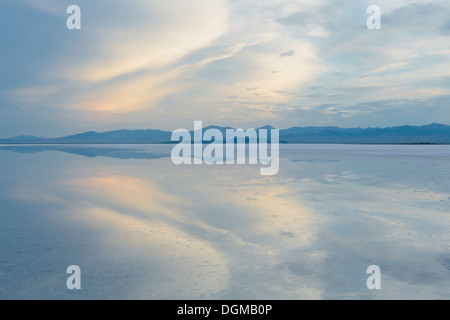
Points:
(370, 113)
(289, 53)
(123, 58)
(407, 60)
(147, 61)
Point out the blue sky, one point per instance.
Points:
(165, 63)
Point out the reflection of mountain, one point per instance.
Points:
(117, 152)
(91, 152)
(429, 134)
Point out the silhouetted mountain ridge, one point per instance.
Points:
(434, 133)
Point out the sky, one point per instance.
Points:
(163, 64)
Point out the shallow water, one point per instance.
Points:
(140, 227)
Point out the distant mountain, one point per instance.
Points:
(428, 134)
(432, 134)
(25, 138)
(92, 137)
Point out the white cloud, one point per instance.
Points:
(199, 58)
(138, 42)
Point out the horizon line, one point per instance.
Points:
(268, 125)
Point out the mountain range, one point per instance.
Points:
(427, 134)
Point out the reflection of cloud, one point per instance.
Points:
(203, 220)
(226, 232)
(386, 210)
(267, 215)
(180, 264)
(143, 197)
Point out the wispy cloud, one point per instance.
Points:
(164, 63)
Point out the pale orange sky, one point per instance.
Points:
(163, 64)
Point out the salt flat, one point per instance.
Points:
(140, 227)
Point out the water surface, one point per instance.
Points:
(140, 227)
